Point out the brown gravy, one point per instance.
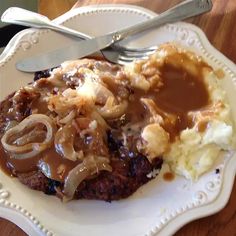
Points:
(202, 126)
(182, 92)
(4, 165)
(168, 176)
(58, 166)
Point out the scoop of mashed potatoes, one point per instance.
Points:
(191, 151)
(196, 149)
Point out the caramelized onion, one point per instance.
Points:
(96, 116)
(62, 103)
(30, 137)
(64, 143)
(112, 111)
(45, 168)
(25, 155)
(95, 90)
(68, 118)
(102, 93)
(10, 124)
(90, 166)
(29, 149)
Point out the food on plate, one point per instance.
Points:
(91, 129)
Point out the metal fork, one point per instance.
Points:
(124, 55)
(114, 53)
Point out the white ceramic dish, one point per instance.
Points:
(157, 208)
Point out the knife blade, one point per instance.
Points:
(185, 9)
(56, 57)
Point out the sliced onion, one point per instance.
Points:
(92, 126)
(30, 149)
(111, 111)
(68, 118)
(95, 115)
(102, 93)
(45, 168)
(10, 124)
(25, 155)
(90, 166)
(67, 101)
(95, 90)
(30, 137)
(55, 79)
(64, 143)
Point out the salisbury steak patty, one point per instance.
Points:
(130, 169)
(129, 172)
(127, 176)
(76, 132)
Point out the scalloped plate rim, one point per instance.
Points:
(187, 216)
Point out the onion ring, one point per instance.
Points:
(30, 149)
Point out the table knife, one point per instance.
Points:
(87, 47)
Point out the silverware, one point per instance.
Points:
(122, 55)
(181, 11)
(114, 53)
(20, 16)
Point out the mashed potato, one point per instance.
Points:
(196, 150)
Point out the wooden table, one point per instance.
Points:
(220, 28)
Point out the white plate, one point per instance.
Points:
(159, 207)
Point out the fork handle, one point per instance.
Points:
(20, 16)
(179, 12)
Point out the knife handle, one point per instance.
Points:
(179, 12)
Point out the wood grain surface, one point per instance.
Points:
(220, 27)
(54, 8)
